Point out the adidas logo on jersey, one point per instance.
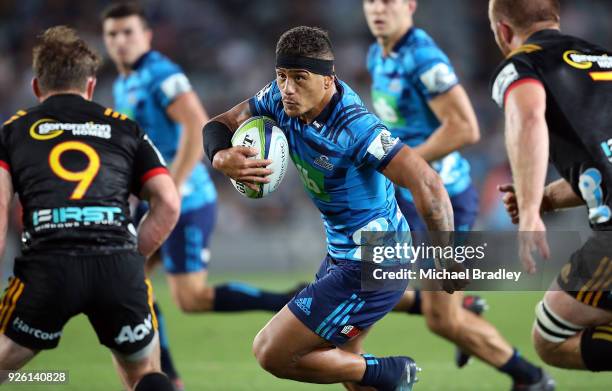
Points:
(304, 304)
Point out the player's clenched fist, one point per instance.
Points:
(238, 164)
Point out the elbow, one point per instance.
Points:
(470, 131)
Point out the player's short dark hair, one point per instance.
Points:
(124, 9)
(63, 61)
(305, 41)
(522, 14)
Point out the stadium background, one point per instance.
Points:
(227, 50)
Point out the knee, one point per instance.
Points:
(444, 325)
(546, 350)
(190, 300)
(263, 350)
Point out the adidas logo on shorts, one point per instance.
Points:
(304, 304)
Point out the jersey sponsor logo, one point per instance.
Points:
(73, 216)
(386, 107)
(304, 303)
(323, 162)
(507, 76)
(47, 129)
(592, 193)
(175, 85)
(439, 78)
(585, 61)
(20, 325)
(134, 334)
(313, 179)
(607, 148)
(382, 144)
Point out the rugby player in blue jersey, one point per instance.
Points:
(154, 91)
(416, 93)
(317, 337)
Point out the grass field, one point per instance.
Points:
(213, 351)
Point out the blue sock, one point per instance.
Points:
(416, 306)
(167, 365)
(521, 370)
(382, 373)
(237, 296)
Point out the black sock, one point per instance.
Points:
(237, 296)
(416, 305)
(167, 365)
(596, 348)
(521, 370)
(154, 382)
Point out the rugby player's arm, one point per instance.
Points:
(527, 145)
(188, 111)
(164, 210)
(560, 195)
(234, 162)
(6, 196)
(458, 125)
(408, 169)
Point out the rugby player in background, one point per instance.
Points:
(74, 164)
(154, 91)
(416, 93)
(556, 93)
(322, 116)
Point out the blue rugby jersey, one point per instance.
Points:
(339, 157)
(144, 95)
(415, 72)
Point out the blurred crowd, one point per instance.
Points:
(227, 50)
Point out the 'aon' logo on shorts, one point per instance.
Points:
(137, 333)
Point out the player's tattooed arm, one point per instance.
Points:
(235, 162)
(6, 196)
(409, 170)
(458, 125)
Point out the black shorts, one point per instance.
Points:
(588, 275)
(47, 290)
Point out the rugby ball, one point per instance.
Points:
(263, 134)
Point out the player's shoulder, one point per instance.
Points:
(270, 92)
(351, 120)
(373, 54)
(419, 50)
(158, 65)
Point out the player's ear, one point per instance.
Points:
(505, 32)
(412, 6)
(328, 82)
(36, 88)
(91, 86)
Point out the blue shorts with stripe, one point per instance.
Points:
(335, 307)
(186, 249)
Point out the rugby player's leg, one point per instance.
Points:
(474, 335)
(13, 356)
(186, 257)
(299, 342)
(167, 362)
(571, 334)
(355, 345)
(133, 367)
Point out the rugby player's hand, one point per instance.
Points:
(532, 238)
(511, 204)
(456, 284)
(238, 164)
